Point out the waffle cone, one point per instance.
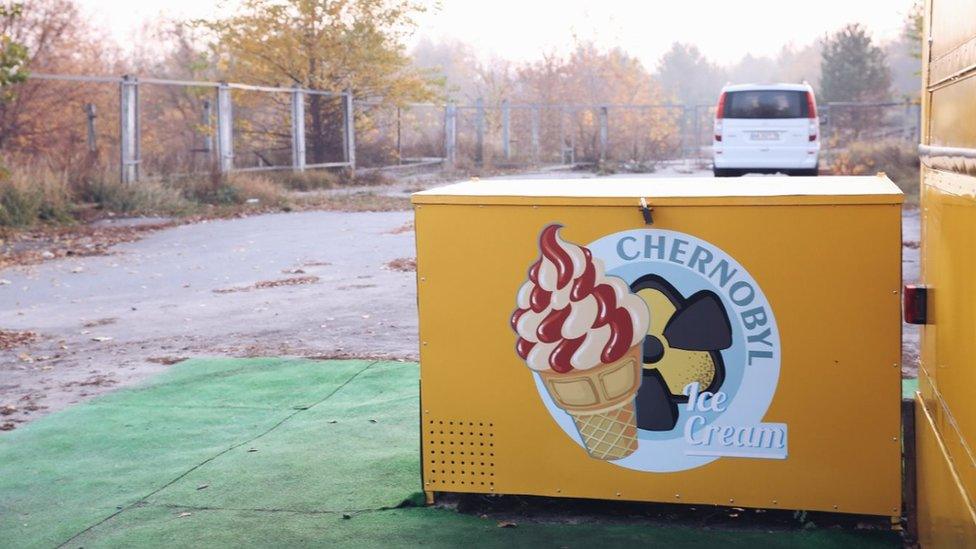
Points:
(601, 403)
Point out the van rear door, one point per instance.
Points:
(767, 127)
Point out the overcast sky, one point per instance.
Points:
(521, 30)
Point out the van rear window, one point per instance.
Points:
(766, 104)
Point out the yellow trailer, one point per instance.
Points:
(664, 339)
(945, 409)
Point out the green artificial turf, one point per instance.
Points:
(275, 452)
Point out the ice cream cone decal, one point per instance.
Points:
(583, 332)
(681, 347)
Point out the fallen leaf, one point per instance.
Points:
(203, 486)
(507, 524)
(184, 514)
(101, 338)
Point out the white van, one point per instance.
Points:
(765, 129)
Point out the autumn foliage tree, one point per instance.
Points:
(331, 45)
(853, 69)
(593, 77)
(41, 118)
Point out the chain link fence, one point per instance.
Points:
(158, 128)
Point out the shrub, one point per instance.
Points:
(142, 198)
(898, 159)
(309, 180)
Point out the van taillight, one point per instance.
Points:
(719, 115)
(812, 115)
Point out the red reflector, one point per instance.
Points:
(916, 304)
(813, 137)
(718, 137)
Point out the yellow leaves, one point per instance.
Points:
(328, 45)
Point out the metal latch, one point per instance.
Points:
(646, 212)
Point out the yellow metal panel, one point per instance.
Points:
(945, 514)
(948, 371)
(832, 276)
(950, 105)
(953, 26)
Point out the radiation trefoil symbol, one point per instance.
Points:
(653, 349)
(682, 347)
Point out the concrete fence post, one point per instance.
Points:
(450, 134)
(536, 115)
(479, 128)
(349, 123)
(129, 129)
(298, 129)
(604, 132)
(225, 129)
(506, 130)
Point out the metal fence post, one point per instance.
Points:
(225, 129)
(206, 122)
(535, 134)
(298, 129)
(450, 134)
(479, 125)
(129, 129)
(349, 123)
(604, 132)
(562, 135)
(399, 138)
(90, 117)
(506, 130)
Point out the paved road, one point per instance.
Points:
(196, 290)
(166, 297)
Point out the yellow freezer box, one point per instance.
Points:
(732, 342)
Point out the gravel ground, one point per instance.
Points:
(316, 284)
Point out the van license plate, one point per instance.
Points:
(764, 136)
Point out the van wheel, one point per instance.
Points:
(724, 172)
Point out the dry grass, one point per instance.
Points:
(34, 193)
(356, 202)
(899, 161)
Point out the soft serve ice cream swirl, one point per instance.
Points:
(571, 315)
